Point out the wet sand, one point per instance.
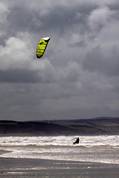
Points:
(38, 168)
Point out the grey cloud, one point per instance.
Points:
(33, 21)
(96, 61)
(19, 76)
(39, 18)
(103, 55)
(99, 18)
(79, 74)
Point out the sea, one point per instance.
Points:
(58, 157)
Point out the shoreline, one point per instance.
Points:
(39, 168)
(34, 161)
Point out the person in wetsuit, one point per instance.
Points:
(76, 141)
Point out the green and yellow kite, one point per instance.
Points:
(41, 47)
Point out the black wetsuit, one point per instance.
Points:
(77, 141)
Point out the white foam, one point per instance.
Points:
(103, 149)
(87, 141)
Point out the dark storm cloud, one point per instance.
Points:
(58, 18)
(39, 18)
(21, 19)
(97, 61)
(19, 76)
(79, 74)
(62, 19)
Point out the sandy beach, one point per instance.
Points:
(38, 168)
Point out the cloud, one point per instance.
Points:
(14, 54)
(17, 65)
(3, 13)
(79, 74)
(99, 18)
(3, 17)
(103, 55)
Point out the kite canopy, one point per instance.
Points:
(41, 46)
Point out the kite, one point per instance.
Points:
(41, 47)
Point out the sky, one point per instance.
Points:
(79, 75)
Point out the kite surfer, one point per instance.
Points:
(76, 141)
